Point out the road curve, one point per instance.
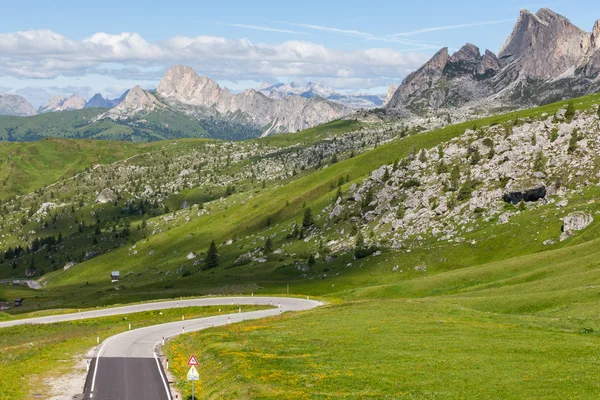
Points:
(127, 367)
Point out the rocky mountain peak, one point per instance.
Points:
(469, 53)
(421, 79)
(137, 101)
(391, 90)
(63, 103)
(544, 59)
(12, 104)
(543, 45)
(489, 64)
(595, 38)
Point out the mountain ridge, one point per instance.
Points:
(545, 58)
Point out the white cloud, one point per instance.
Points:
(44, 54)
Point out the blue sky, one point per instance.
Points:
(72, 46)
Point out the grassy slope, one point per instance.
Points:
(156, 125)
(28, 166)
(281, 204)
(525, 321)
(436, 335)
(57, 345)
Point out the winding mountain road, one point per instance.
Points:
(127, 367)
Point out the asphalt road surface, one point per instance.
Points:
(127, 366)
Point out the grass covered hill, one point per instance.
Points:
(435, 280)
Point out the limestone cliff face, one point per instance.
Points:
(545, 58)
(182, 86)
(62, 103)
(138, 102)
(11, 104)
(420, 80)
(543, 45)
(391, 90)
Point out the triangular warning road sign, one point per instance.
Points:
(193, 360)
(193, 374)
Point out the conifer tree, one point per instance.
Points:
(212, 257)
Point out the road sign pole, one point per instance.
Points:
(192, 390)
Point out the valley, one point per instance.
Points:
(438, 244)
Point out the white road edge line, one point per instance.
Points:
(97, 363)
(160, 372)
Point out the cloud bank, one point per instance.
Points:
(44, 54)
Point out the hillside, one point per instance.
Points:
(461, 273)
(258, 188)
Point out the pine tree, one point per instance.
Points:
(570, 113)
(359, 243)
(338, 194)
(311, 260)
(573, 142)
(212, 257)
(386, 175)
(475, 156)
(454, 178)
(423, 156)
(268, 245)
(308, 218)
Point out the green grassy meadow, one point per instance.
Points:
(32, 354)
(497, 315)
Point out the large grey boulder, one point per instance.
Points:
(577, 221)
(106, 196)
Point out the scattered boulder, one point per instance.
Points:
(185, 205)
(68, 265)
(527, 191)
(45, 207)
(191, 255)
(106, 196)
(577, 221)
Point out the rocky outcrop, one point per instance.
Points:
(100, 102)
(573, 222)
(543, 45)
(313, 89)
(489, 64)
(527, 191)
(184, 89)
(137, 102)
(391, 90)
(106, 196)
(420, 80)
(577, 221)
(11, 104)
(62, 103)
(545, 58)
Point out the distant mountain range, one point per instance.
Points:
(183, 90)
(312, 89)
(546, 58)
(184, 105)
